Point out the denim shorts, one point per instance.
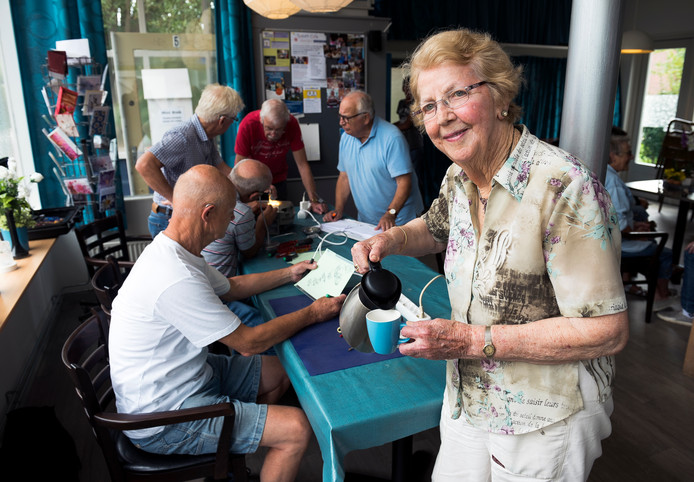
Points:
(157, 222)
(235, 378)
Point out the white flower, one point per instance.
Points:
(4, 173)
(12, 165)
(36, 177)
(23, 191)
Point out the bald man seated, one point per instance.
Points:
(171, 307)
(246, 233)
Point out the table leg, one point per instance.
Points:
(406, 466)
(680, 228)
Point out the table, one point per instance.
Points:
(655, 186)
(368, 405)
(13, 284)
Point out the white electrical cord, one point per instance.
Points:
(325, 239)
(421, 295)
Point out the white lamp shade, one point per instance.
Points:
(275, 9)
(636, 42)
(321, 5)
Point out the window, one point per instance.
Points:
(660, 101)
(14, 130)
(154, 34)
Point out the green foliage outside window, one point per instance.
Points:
(651, 140)
(162, 16)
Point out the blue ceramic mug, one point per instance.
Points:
(384, 328)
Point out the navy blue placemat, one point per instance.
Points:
(320, 346)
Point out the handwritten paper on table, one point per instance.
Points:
(329, 278)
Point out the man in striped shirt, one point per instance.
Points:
(187, 145)
(245, 235)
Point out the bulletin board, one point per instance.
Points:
(302, 68)
(328, 37)
(311, 72)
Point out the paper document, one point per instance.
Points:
(353, 229)
(329, 278)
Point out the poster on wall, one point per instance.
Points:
(276, 51)
(312, 104)
(344, 54)
(295, 100)
(308, 59)
(274, 85)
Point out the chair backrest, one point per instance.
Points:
(102, 238)
(677, 149)
(85, 355)
(106, 282)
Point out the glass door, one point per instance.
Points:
(130, 54)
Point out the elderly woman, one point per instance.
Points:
(532, 267)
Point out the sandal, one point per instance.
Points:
(636, 291)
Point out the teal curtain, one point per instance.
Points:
(37, 26)
(235, 66)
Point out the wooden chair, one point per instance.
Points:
(106, 282)
(105, 237)
(85, 355)
(676, 151)
(647, 266)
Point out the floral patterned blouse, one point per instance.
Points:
(549, 247)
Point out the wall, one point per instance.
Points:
(24, 332)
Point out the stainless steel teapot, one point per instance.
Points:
(379, 289)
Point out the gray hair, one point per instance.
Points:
(274, 110)
(617, 139)
(218, 100)
(364, 103)
(257, 178)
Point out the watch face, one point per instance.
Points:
(392, 211)
(489, 350)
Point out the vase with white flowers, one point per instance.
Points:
(15, 210)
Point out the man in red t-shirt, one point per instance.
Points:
(267, 135)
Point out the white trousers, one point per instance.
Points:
(564, 451)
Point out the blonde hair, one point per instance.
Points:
(476, 50)
(218, 100)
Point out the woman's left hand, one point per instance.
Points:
(436, 339)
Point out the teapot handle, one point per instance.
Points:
(375, 265)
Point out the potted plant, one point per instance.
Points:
(15, 210)
(673, 178)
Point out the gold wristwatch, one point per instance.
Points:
(489, 348)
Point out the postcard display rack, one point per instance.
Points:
(77, 122)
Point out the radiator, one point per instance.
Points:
(135, 248)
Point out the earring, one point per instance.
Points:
(504, 113)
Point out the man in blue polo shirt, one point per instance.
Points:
(375, 167)
(185, 146)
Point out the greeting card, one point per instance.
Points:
(57, 63)
(67, 101)
(64, 143)
(99, 121)
(78, 185)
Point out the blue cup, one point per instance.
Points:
(384, 328)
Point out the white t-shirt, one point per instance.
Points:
(162, 320)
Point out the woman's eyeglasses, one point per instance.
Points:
(452, 100)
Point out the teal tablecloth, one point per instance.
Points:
(368, 405)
